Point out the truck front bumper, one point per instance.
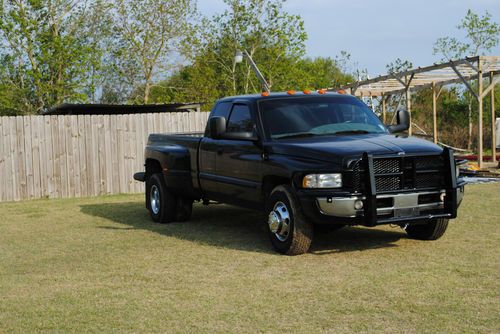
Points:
(388, 205)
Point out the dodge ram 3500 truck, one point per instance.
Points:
(306, 159)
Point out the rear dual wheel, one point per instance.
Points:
(165, 207)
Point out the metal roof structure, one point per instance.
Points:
(110, 109)
(461, 71)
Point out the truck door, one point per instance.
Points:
(208, 153)
(238, 162)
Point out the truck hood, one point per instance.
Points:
(336, 148)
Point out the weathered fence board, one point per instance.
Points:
(80, 155)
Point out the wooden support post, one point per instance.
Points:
(434, 113)
(384, 111)
(493, 120)
(408, 107)
(480, 111)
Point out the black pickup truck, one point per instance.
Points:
(305, 159)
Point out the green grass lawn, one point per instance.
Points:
(100, 265)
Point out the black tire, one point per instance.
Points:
(300, 232)
(432, 230)
(184, 209)
(164, 210)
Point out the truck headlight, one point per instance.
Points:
(322, 181)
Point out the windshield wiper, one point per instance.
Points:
(351, 132)
(295, 135)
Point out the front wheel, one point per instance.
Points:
(432, 230)
(289, 231)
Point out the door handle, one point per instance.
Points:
(219, 151)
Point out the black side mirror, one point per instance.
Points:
(217, 126)
(403, 122)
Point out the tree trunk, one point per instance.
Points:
(147, 91)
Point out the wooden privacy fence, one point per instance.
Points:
(80, 155)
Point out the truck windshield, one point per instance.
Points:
(318, 116)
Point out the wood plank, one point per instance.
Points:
(114, 154)
(54, 123)
(121, 154)
(70, 159)
(157, 122)
(10, 161)
(96, 179)
(35, 149)
(88, 155)
(42, 160)
(166, 122)
(107, 154)
(61, 151)
(127, 153)
(82, 156)
(3, 186)
(28, 158)
(101, 136)
(7, 153)
(161, 122)
(190, 126)
(130, 152)
(75, 170)
(20, 160)
(139, 150)
(49, 164)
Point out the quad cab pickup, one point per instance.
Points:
(305, 159)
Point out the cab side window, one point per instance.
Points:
(221, 109)
(240, 119)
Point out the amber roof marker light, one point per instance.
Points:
(322, 91)
(238, 58)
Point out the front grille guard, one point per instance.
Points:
(370, 207)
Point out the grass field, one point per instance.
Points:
(100, 265)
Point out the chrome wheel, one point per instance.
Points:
(279, 221)
(154, 198)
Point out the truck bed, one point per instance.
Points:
(179, 153)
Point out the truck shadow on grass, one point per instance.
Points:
(235, 228)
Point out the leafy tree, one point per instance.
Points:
(47, 53)
(399, 65)
(150, 33)
(481, 36)
(263, 28)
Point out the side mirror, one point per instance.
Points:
(403, 122)
(217, 126)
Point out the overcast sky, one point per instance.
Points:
(377, 32)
